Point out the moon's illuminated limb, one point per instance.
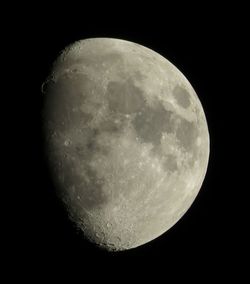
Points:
(127, 140)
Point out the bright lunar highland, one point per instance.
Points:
(126, 138)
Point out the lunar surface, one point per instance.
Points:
(126, 138)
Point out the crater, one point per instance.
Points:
(181, 95)
(124, 97)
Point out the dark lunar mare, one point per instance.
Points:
(151, 121)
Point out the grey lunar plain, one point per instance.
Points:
(126, 139)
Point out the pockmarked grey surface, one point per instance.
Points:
(126, 138)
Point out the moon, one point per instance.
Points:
(126, 141)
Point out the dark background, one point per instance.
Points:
(201, 42)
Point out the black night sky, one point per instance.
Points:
(200, 44)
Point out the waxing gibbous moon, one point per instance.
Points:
(126, 138)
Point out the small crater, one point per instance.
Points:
(44, 87)
(67, 142)
(118, 239)
(182, 96)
